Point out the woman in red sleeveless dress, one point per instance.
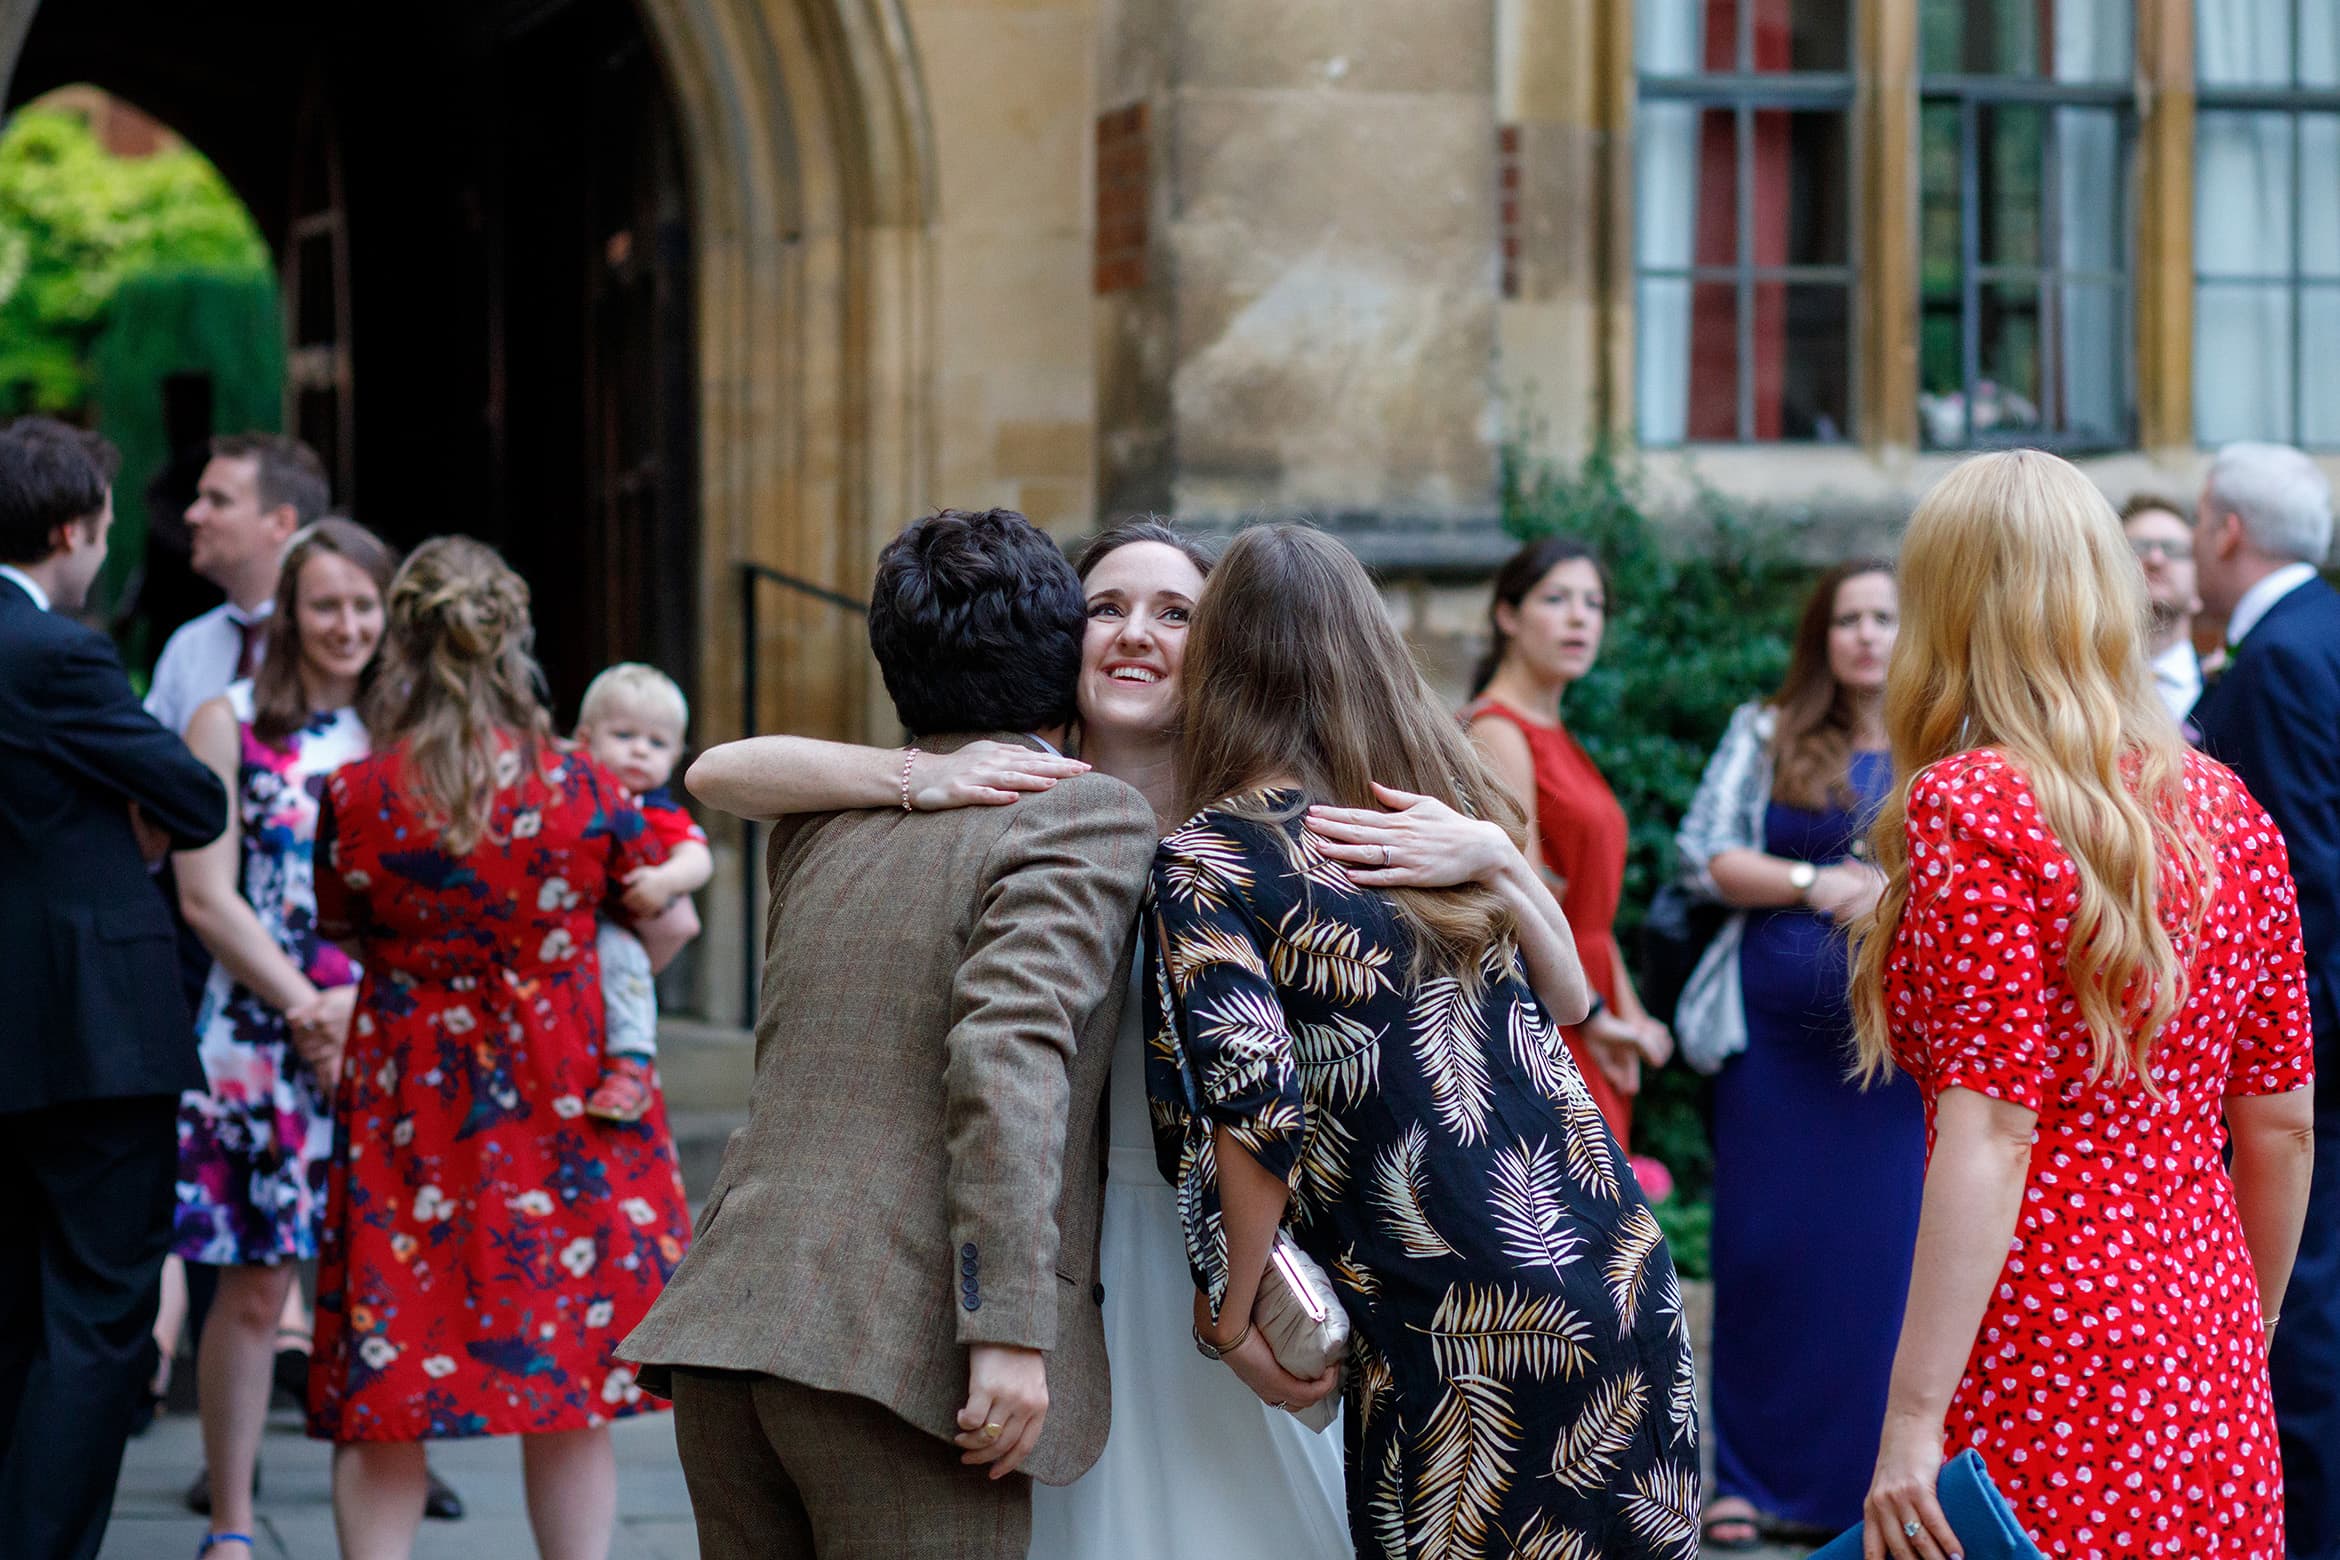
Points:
(1549, 609)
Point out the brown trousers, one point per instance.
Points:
(779, 1471)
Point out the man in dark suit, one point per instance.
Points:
(98, 1043)
(2261, 528)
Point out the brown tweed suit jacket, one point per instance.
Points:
(920, 1169)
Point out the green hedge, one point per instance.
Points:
(1700, 615)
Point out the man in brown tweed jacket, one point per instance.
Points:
(889, 1323)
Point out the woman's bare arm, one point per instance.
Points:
(772, 777)
(212, 899)
(1973, 1196)
(2274, 1137)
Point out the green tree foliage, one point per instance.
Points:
(1699, 622)
(75, 223)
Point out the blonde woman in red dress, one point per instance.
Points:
(2087, 954)
(1550, 606)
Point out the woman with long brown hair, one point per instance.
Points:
(1816, 1183)
(1545, 624)
(2087, 953)
(255, 1141)
(486, 1243)
(1367, 1067)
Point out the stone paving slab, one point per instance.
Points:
(295, 1516)
(296, 1511)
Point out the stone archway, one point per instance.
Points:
(812, 171)
(808, 152)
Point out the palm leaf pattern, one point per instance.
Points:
(1662, 1508)
(1399, 1182)
(1528, 1208)
(1682, 1397)
(1627, 1269)
(1589, 1159)
(1450, 1041)
(1538, 1050)
(1587, 1453)
(1247, 1043)
(1541, 1540)
(1340, 1060)
(1323, 1172)
(1501, 1333)
(1312, 865)
(1466, 1448)
(1362, 1280)
(1448, 1165)
(1203, 946)
(1326, 957)
(1388, 1508)
(1205, 868)
(1372, 1381)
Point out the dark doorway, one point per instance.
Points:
(479, 210)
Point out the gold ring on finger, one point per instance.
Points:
(991, 1432)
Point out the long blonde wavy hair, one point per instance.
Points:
(1293, 667)
(458, 684)
(2023, 619)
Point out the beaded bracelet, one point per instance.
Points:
(909, 757)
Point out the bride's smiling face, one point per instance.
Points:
(1141, 599)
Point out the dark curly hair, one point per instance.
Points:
(976, 621)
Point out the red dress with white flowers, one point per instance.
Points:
(485, 1243)
(2118, 1389)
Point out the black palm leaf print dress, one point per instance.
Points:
(1521, 1383)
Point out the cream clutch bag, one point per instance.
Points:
(1302, 1320)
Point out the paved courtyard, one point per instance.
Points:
(296, 1514)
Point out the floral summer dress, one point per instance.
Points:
(2118, 1391)
(253, 1147)
(487, 1243)
(1520, 1381)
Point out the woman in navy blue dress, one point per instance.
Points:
(1816, 1183)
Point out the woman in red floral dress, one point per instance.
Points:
(486, 1243)
(2094, 1289)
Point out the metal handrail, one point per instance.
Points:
(751, 575)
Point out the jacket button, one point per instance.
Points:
(1097, 1293)
(967, 1266)
(971, 1302)
(967, 1252)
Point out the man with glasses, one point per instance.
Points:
(2164, 543)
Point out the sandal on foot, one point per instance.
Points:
(1710, 1532)
(442, 1504)
(214, 1540)
(624, 1092)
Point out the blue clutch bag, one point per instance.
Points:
(1978, 1513)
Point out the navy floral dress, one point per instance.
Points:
(254, 1142)
(486, 1243)
(1521, 1379)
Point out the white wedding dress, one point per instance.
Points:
(1196, 1467)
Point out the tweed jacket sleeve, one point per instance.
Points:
(1060, 893)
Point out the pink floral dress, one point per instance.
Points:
(2118, 1389)
(253, 1145)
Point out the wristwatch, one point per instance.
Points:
(1801, 877)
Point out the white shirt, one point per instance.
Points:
(2177, 677)
(2260, 599)
(199, 662)
(28, 584)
